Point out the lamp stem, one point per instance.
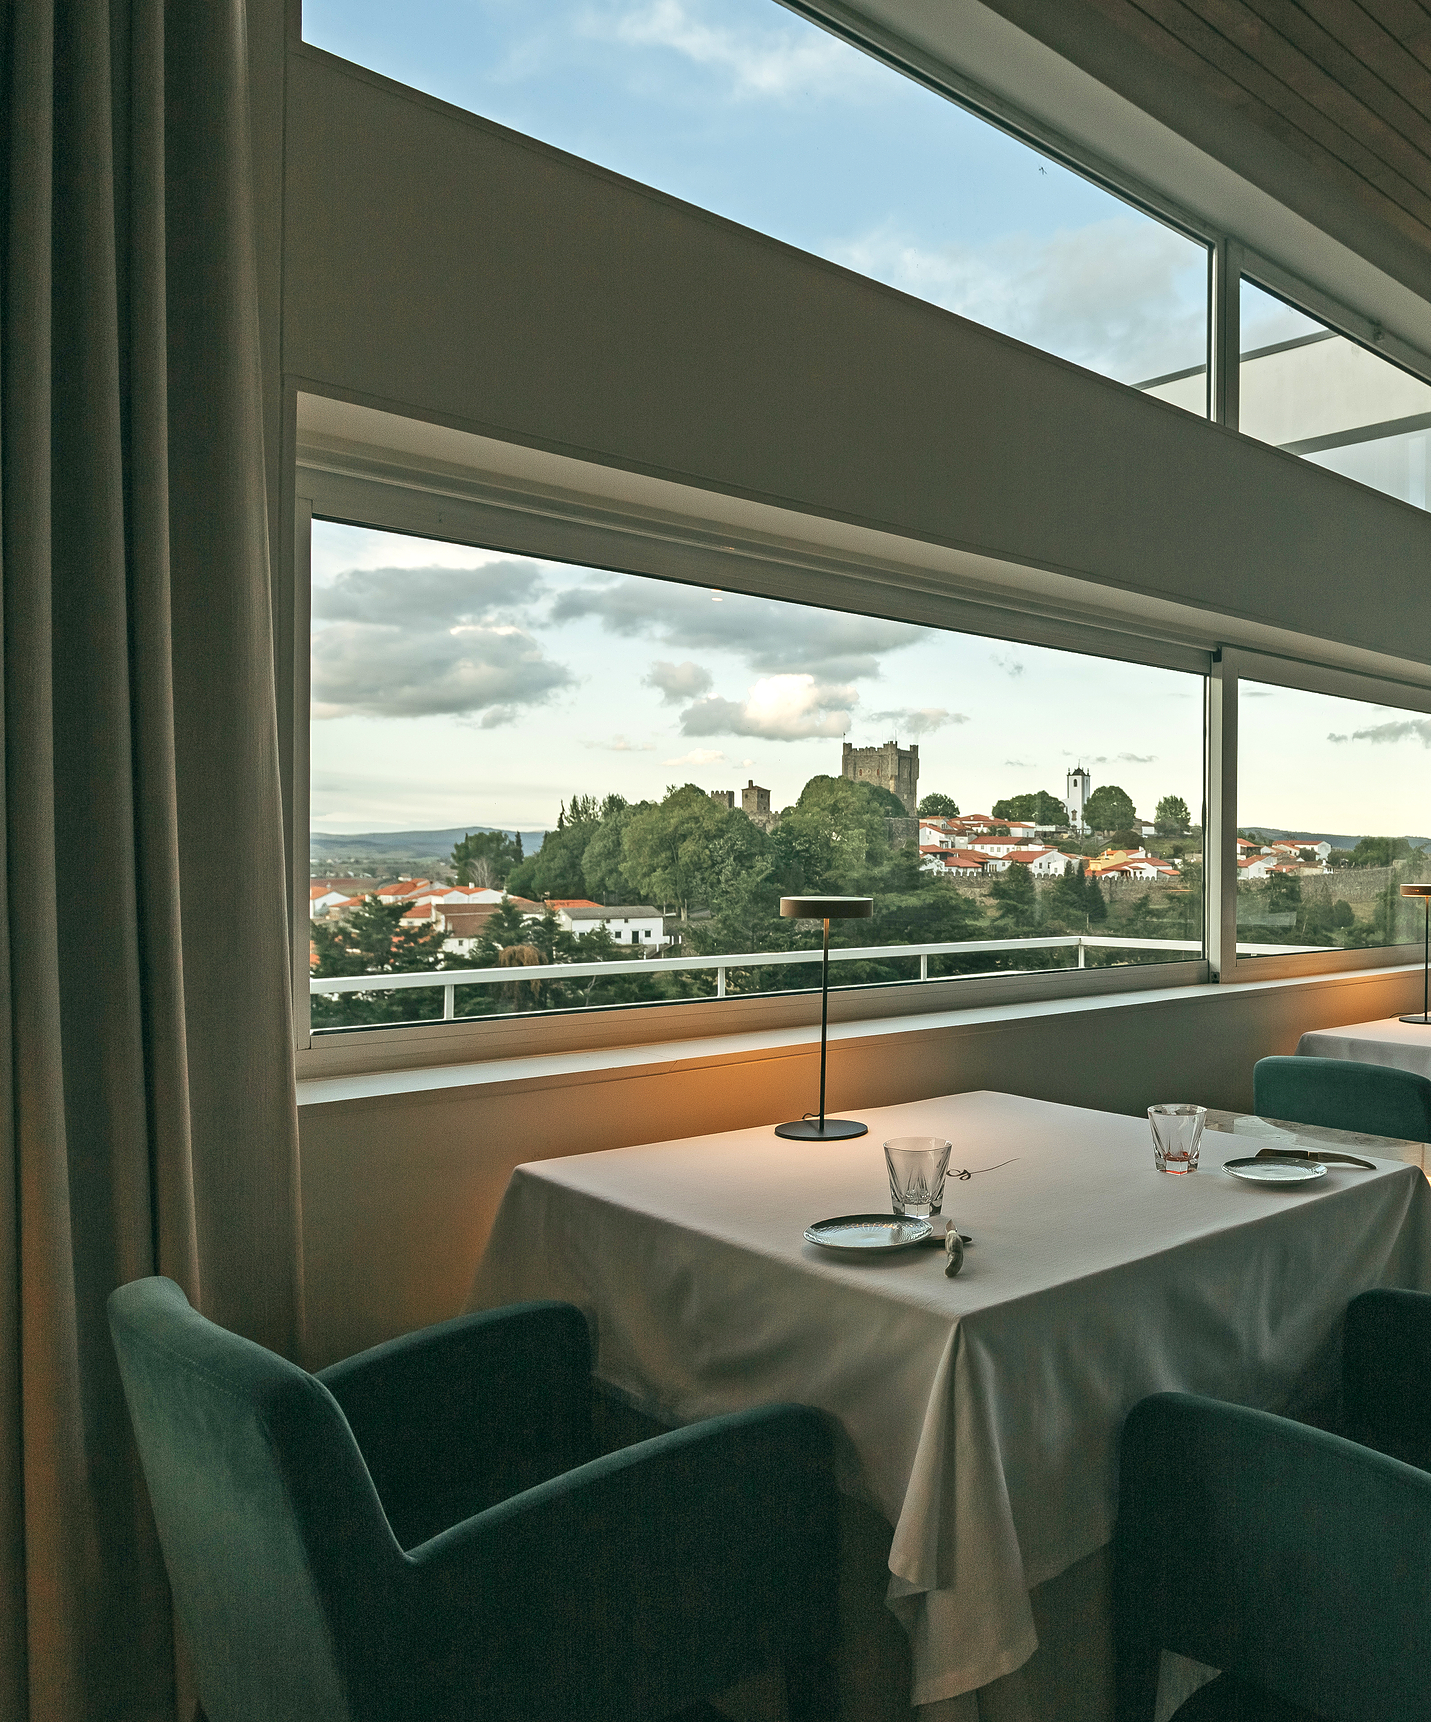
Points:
(824, 1014)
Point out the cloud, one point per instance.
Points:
(374, 670)
(1118, 295)
(1010, 666)
(924, 721)
(677, 682)
(1115, 758)
(1022, 764)
(619, 744)
(779, 708)
(697, 756)
(779, 61)
(773, 639)
(1406, 729)
(434, 594)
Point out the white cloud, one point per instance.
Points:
(341, 549)
(379, 670)
(779, 708)
(677, 682)
(779, 61)
(697, 756)
(619, 744)
(1407, 729)
(1114, 295)
(923, 721)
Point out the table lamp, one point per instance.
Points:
(1424, 893)
(824, 909)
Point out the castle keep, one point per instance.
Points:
(892, 767)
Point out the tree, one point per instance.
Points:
(938, 806)
(1109, 808)
(667, 848)
(1097, 905)
(486, 858)
(835, 838)
(601, 860)
(555, 869)
(1172, 818)
(1017, 898)
(371, 940)
(1068, 900)
(1378, 852)
(1038, 805)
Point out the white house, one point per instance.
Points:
(628, 923)
(964, 863)
(320, 902)
(1042, 862)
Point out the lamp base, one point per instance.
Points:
(835, 1130)
(1420, 1020)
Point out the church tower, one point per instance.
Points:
(1079, 784)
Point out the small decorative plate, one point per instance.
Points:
(1275, 1171)
(868, 1234)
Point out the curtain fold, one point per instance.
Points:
(147, 1120)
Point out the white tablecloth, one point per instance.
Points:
(982, 1412)
(1389, 1041)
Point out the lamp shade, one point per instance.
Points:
(1406, 891)
(827, 908)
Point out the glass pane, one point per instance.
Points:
(1314, 393)
(541, 771)
(745, 109)
(1327, 805)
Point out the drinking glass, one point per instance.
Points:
(1177, 1130)
(917, 1165)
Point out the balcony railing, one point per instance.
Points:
(450, 979)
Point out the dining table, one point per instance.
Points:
(1388, 1040)
(979, 1414)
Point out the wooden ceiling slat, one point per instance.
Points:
(1277, 98)
(1407, 21)
(1379, 49)
(1362, 58)
(1293, 82)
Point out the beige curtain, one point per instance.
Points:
(147, 1122)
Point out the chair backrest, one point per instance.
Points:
(1341, 1094)
(1278, 1553)
(280, 1558)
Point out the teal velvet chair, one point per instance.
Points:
(422, 1533)
(1295, 1561)
(1340, 1094)
(1386, 1373)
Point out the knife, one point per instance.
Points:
(1305, 1155)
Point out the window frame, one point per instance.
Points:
(493, 512)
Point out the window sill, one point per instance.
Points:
(611, 1063)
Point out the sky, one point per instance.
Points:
(459, 686)
(745, 109)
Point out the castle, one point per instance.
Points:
(892, 767)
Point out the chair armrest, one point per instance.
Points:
(1386, 1373)
(456, 1417)
(640, 1583)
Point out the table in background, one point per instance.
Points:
(1403, 1045)
(981, 1413)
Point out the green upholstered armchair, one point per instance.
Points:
(421, 1533)
(1341, 1094)
(1293, 1560)
(1386, 1373)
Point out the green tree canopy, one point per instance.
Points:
(835, 838)
(936, 806)
(668, 848)
(555, 869)
(1038, 805)
(1378, 852)
(371, 940)
(1172, 818)
(486, 857)
(1013, 890)
(1109, 808)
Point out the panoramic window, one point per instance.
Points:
(743, 108)
(568, 788)
(1332, 820)
(1317, 394)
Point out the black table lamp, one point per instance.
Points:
(1424, 893)
(824, 909)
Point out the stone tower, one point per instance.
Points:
(892, 767)
(1079, 785)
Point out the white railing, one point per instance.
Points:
(450, 979)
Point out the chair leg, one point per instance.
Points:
(812, 1691)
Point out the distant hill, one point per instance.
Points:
(405, 845)
(1338, 840)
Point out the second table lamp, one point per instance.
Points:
(818, 1128)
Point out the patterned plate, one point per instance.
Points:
(866, 1234)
